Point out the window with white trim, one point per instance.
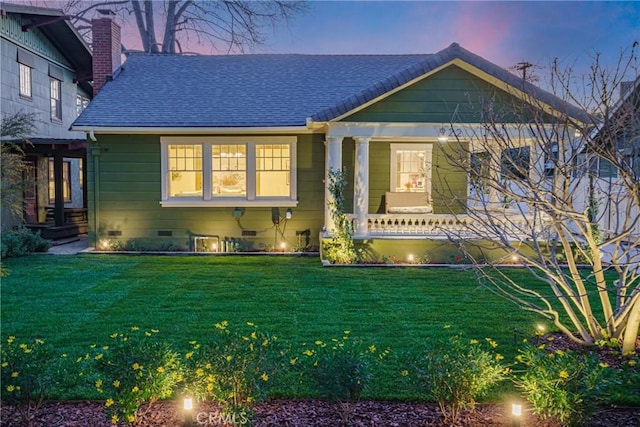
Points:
(25, 80)
(229, 171)
(56, 99)
(411, 168)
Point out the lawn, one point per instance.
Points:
(73, 302)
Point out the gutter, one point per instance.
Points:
(118, 130)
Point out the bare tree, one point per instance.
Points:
(14, 128)
(229, 25)
(558, 191)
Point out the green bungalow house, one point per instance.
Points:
(230, 153)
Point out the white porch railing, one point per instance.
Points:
(440, 226)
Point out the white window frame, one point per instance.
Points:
(56, 101)
(208, 199)
(428, 161)
(26, 77)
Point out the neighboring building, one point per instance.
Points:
(46, 70)
(218, 153)
(612, 195)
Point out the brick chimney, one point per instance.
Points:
(106, 51)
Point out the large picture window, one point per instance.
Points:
(411, 168)
(228, 171)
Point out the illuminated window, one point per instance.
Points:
(273, 170)
(411, 167)
(185, 171)
(56, 99)
(66, 182)
(229, 171)
(25, 80)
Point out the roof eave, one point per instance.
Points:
(169, 130)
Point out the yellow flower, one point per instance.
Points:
(222, 325)
(114, 419)
(507, 371)
(116, 383)
(160, 369)
(135, 328)
(14, 375)
(229, 358)
(114, 335)
(98, 383)
(264, 377)
(251, 324)
(293, 361)
(131, 418)
(10, 388)
(11, 339)
(473, 342)
(155, 331)
(372, 348)
(136, 366)
(563, 374)
(135, 389)
(5, 364)
(147, 334)
(93, 346)
(209, 387)
(99, 356)
(492, 343)
(318, 342)
(499, 357)
(404, 373)
(199, 372)
(210, 378)
(346, 332)
(446, 327)
(254, 335)
(208, 366)
(265, 342)
(109, 402)
(604, 365)
(39, 341)
(193, 342)
(188, 355)
(631, 363)
(308, 352)
(559, 352)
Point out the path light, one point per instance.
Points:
(410, 258)
(516, 414)
(104, 244)
(540, 329)
(188, 415)
(283, 246)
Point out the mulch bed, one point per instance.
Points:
(300, 413)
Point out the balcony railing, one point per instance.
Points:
(441, 226)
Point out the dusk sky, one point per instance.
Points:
(505, 32)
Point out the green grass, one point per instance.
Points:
(74, 301)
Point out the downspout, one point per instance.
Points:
(95, 152)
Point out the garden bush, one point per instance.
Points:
(565, 386)
(341, 370)
(26, 377)
(133, 369)
(21, 242)
(455, 372)
(235, 368)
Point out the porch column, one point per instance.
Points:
(58, 207)
(361, 186)
(333, 162)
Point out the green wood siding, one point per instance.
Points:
(129, 192)
(434, 100)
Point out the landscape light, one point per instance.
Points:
(516, 414)
(188, 404)
(410, 258)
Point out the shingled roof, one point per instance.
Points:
(153, 90)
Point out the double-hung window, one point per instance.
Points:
(411, 168)
(56, 99)
(229, 171)
(25, 69)
(25, 80)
